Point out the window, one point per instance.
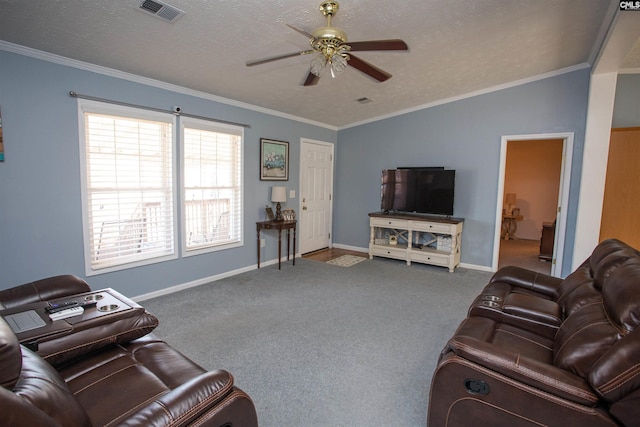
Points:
(128, 186)
(212, 186)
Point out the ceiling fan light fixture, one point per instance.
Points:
(338, 64)
(318, 63)
(331, 47)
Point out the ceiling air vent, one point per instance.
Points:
(161, 10)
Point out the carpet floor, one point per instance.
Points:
(321, 345)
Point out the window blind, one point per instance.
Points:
(212, 185)
(129, 195)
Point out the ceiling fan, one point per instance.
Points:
(332, 49)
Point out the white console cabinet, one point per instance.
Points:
(416, 238)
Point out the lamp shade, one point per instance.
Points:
(278, 194)
(510, 199)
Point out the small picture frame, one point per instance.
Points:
(274, 160)
(289, 214)
(270, 215)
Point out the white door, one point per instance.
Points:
(316, 183)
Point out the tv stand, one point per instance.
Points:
(416, 238)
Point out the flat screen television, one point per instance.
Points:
(418, 190)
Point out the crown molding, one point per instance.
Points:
(472, 94)
(61, 60)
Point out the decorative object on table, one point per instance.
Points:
(510, 203)
(274, 160)
(393, 240)
(270, 215)
(516, 212)
(279, 195)
(289, 214)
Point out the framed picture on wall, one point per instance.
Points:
(274, 160)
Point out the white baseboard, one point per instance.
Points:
(475, 267)
(205, 280)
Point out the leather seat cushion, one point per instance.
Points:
(129, 377)
(509, 338)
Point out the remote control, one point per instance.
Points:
(69, 312)
(59, 306)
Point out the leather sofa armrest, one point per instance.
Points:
(192, 400)
(527, 279)
(43, 290)
(85, 340)
(536, 374)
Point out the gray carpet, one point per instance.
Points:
(323, 345)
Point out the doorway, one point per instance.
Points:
(535, 211)
(316, 190)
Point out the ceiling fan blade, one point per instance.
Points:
(391, 44)
(369, 69)
(304, 33)
(275, 58)
(311, 80)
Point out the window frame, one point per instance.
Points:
(96, 107)
(212, 126)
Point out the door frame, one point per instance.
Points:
(309, 141)
(563, 195)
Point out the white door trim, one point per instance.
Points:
(563, 194)
(305, 141)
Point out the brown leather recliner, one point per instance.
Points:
(112, 380)
(535, 350)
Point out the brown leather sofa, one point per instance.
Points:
(536, 350)
(98, 373)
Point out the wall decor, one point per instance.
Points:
(274, 160)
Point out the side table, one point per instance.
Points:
(278, 225)
(509, 226)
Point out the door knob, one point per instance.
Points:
(304, 208)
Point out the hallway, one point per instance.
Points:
(523, 253)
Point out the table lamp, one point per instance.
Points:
(510, 202)
(278, 195)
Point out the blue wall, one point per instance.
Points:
(463, 135)
(40, 206)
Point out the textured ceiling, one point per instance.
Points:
(455, 47)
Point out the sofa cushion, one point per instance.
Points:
(40, 397)
(142, 375)
(10, 356)
(621, 295)
(583, 338)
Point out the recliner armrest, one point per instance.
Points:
(540, 375)
(94, 337)
(528, 279)
(195, 399)
(43, 290)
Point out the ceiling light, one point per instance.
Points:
(318, 63)
(338, 63)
